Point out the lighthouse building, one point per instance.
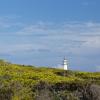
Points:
(65, 64)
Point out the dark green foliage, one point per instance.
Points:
(5, 92)
(21, 82)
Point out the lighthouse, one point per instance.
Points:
(65, 64)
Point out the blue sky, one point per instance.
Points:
(42, 32)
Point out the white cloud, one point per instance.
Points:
(20, 48)
(8, 22)
(93, 42)
(75, 28)
(75, 38)
(61, 37)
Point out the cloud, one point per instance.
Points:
(75, 28)
(98, 68)
(9, 24)
(61, 37)
(75, 39)
(14, 49)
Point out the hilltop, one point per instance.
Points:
(23, 82)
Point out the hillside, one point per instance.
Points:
(21, 82)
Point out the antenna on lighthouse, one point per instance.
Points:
(65, 64)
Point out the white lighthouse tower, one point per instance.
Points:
(65, 64)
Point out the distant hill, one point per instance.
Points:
(21, 82)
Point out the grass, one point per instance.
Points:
(20, 80)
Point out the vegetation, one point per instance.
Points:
(20, 82)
